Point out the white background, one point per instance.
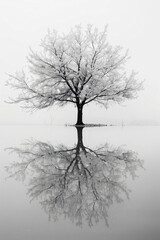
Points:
(132, 24)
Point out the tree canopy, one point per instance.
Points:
(78, 67)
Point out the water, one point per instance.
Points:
(98, 183)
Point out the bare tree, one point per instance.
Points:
(79, 183)
(79, 68)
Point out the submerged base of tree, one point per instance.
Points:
(89, 125)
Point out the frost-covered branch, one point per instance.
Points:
(78, 67)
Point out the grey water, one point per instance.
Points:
(61, 183)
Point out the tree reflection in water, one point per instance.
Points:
(79, 183)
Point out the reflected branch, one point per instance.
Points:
(78, 183)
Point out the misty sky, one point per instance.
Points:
(132, 24)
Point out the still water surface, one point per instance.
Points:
(95, 183)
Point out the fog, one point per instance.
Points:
(132, 24)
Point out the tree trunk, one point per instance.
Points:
(79, 115)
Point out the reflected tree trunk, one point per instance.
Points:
(80, 137)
